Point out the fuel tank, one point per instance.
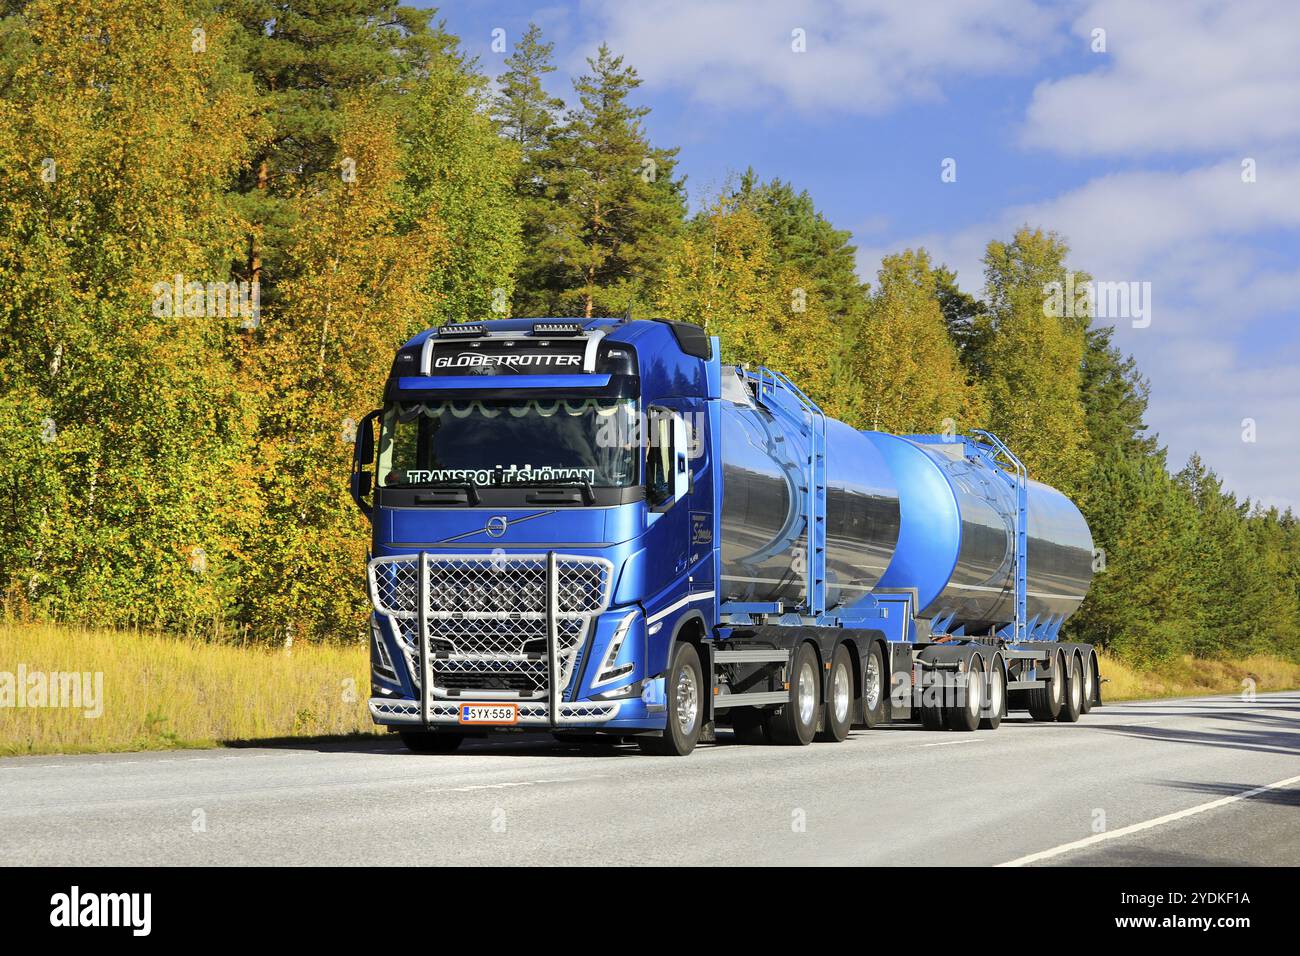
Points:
(903, 513)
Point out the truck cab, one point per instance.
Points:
(542, 497)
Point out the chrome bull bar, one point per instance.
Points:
(520, 619)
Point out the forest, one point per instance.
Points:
(219, 219)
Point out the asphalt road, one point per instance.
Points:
(898, 795)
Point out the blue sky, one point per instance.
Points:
(1133, 153)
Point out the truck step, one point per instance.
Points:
(751, 656)
(723, 701)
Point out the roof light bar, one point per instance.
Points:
(463, 329)
(557, 328)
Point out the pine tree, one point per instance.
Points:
(524, 112)
(1114, 398)
(961, 313)
(614, 209)
(305, 60)
(1144, 597)
(805, 241)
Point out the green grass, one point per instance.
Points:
(161, 693)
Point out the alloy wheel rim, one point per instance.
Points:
(688, 700)
(840, 690)
(873, 682)
(995, 691)
(807, 693)
(974, 689)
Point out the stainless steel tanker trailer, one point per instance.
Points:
(593, 527)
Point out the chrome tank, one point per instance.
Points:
(902, 514)
(764, 539)
(958, 538)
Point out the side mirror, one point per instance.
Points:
(363, 453)
(364, 450)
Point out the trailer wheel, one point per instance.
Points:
(1045, 702)
(1072, 706)
(749, 724)
(933, 716)
(838, 716)
(796, 722)
(685, 717)
(1089, 681)
(423, 742)
(995, 697)
(874, 687)
(964, 715)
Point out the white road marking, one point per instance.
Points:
(518, 783)
(953, 743)
(1147, 824)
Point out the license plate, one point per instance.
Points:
(503, 714)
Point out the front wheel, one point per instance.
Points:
(685, 706)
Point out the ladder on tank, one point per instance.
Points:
(1020, 556)
(805, 415)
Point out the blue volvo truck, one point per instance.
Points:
(595, 529)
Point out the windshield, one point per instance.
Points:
(488, 443)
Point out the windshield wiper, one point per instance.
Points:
(582, 484)
(464, 493)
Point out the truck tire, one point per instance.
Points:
(837, 716)
(796, 722)
(424, 742)
(1090, 680)
(933, 712)
(1072, 704)
(749, 724)
(964, 715)
(875, 685)
(685, 718)
(1045, 702)
(995, 695)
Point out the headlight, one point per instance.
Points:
(608, 672)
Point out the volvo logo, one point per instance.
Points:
(496, 525)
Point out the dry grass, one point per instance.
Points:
(162, 693)
(1190, 677)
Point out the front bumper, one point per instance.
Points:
(386, 710)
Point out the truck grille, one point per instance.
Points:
(486, 617)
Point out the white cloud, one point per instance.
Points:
(1219, 348)
(862, 57)
(1219, 77)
